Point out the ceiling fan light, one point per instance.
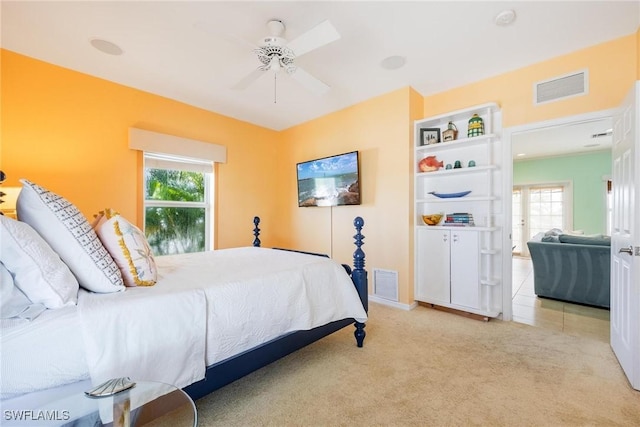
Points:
(274, 65)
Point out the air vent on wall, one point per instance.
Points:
(561, 87)
(385, 284)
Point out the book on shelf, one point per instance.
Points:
(459, 219)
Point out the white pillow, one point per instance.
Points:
(15, 307)
(69, 233)
(129, 248)
(36, 269)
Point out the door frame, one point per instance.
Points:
(507, 167)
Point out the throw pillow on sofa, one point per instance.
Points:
(585, 240)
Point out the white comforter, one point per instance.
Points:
(205, 308)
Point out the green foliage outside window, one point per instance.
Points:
(175, 229)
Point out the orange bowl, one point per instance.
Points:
(432, 219)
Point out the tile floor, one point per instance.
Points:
(573, 319)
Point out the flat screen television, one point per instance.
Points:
(329, 181)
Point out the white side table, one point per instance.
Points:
(146, 403)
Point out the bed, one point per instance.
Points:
(194, 336)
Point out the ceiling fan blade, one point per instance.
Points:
(320, 35)
(308, 81)
(248, 79)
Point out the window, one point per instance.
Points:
(546, 209)
(177, 204)
(536, 209)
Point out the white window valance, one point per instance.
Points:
(160, 143)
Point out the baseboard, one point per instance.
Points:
(394, 304)
(456, 311)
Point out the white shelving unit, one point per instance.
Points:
(460, 267)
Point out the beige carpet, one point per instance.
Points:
(430, 368)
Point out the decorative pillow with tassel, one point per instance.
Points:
(128, 246)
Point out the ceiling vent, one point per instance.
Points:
(562, 87)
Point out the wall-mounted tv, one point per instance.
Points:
(330, 181)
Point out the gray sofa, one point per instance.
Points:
(573, 268)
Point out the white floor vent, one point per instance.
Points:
(385, 284)
(561, 87)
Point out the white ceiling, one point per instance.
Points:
(192, 51)
(580, 137)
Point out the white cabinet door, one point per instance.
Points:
(465, 264)
(433, 276)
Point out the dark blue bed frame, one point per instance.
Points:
(227, 371)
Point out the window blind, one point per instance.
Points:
(160, 161)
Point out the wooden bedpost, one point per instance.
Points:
(359, 277)
(256, 231)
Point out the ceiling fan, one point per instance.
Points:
(275, 53)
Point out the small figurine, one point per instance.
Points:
(430, 164)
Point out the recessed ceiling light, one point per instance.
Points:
(393, 62)
(106, 46)
(504, 18)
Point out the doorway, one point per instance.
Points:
(519, 292)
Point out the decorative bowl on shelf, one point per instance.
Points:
(449, 195)
(432, 219)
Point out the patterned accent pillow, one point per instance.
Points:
(129, 248)
(69, 233)
(36, 269)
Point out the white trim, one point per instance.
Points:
(153, 142)
(383, 301)
(507, 167)
(153, 203)
(608, 202)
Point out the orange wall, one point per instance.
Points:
(380, 129)
(612, 69)
(69, 132)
